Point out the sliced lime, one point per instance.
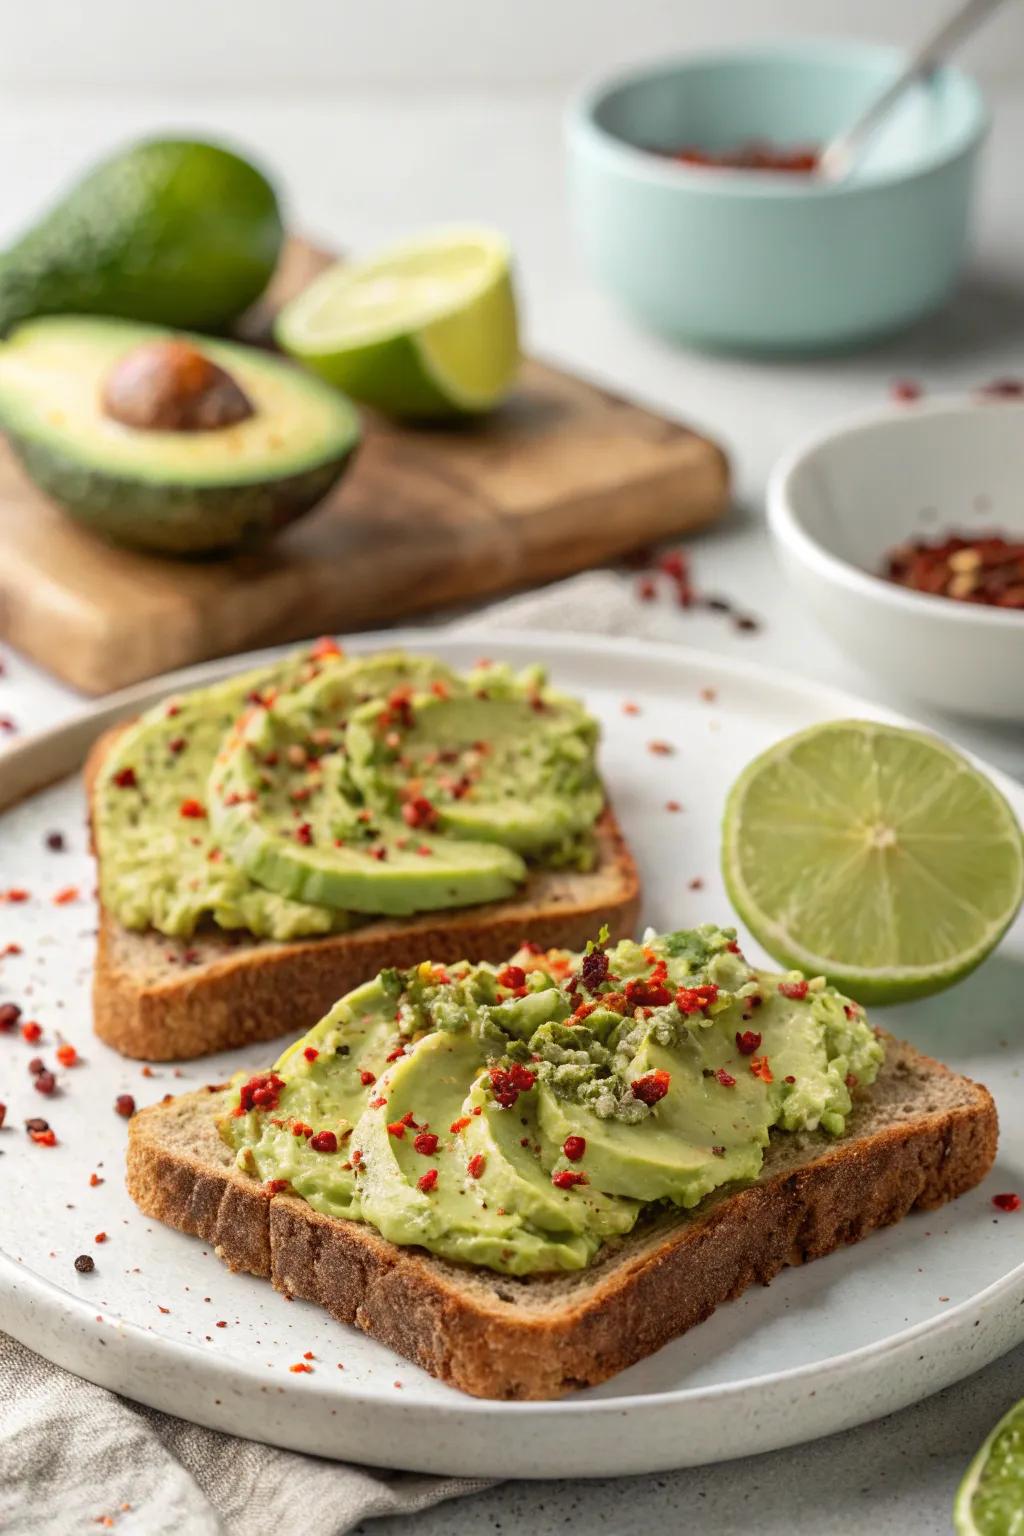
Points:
(425, 329)
(875, 856)
(990, 1500)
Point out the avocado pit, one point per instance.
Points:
(171, 386)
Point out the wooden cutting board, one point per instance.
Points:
(563, 477)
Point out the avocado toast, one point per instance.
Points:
(267, 843)
(527, 1177)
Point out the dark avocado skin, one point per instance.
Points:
(178, 232)
(173, 519)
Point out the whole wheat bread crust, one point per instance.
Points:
(922, 1137)
(157, 999)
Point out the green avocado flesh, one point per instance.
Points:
(520, 1117)
(238, 804)
(173, 231)
(169, 491)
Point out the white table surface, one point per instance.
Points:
(362, 169)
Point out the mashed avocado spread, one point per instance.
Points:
(520, 1116)
(315, 793)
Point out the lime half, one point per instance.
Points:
(875, 856)
(426, 329)
(990, 1500)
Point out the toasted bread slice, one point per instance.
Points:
(920, 1137)
(160, 1000)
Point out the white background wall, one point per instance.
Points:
(325, 45)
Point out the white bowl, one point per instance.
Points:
(841, 501)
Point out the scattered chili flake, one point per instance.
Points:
(648, 991)
(125, 1105)
(725, 1078)
(425, 1143)
(378, 1103)
(15, 895)
(85, 1263)
(747, 1042)
(646, 589)
(398, 1128)
(1003, 389)
(652, 1087)
(125, 778)
(789, 1079)
(512, 976)
(94, 1180)
(394, 1055)
(260, 1092)
(696, 884)
(1007, 1202)
(797, 990)
(7, 724)
(44, 1082)
(45, 1138)
(760, 1068)
(275, 1186)
(10, 949)
(10, 1013)
(672, 805)
(458, 1125)
(905, 389)
(367, 1078)
(691, 1000)
(507, 1083)
(573, 1148)
(985, 569)
(325, 646)
(31, 1031)
(746, 623)
(66, 1055)
(424, 851)
(426, 1181)
(100, 1237)
(851, 1080)
(37, 1064)
(419, 812)
(301, 1368)
(66, 895)
(567, 1178)
(476, 1165)
(221, 1324)
(304, 834)
(324, 1141)
(661, 748)
(311, 1053)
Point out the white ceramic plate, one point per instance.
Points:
(844, 1340)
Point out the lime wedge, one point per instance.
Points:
(875, 856)
(426, 329)
(990, 1500)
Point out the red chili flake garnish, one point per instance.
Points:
(367, 1078)
(378, 1103)
(696, 999)
(1003, 389)
(568, 1178)
(986, 569)
(409, 1120)
(647, 992)
(797, 990)
(275, 1186)
(512, 976)
(15, 895)
(311, 1053)
(94, 1181)
(476, 1165)
(125, 778)
(10, 1013)
(8, 725)
(760, 1068)
(300, 1128)
(747, 1042)
(507, 1083)
(379, 853)
(672, 805)
(10, 949)
(425, 1143)
(905, 389)
(732, 948)
(44, 1082)
(66, 895)
(459, 1125)
(424, 851)
(301, 1368)
(573, 1148)
(100, 1237)
(394, 1055)
(260, 1092)
(1007, 1202)
(325, 646)
(31, 1031)
(304, 834)
(3, 1114)
(45, 1138)
(851, 1080)
(37, 1064)
(324, 1141)
(725, 1078)
(419, 812)
(652, 1087)
(426, 1181)
(661, 748)
(696, 884)
(177, 744)
(789, 1079)
(192, 810)
(397, 1128)
(646, 589)
(66, 1055)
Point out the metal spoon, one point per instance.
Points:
(840, 154)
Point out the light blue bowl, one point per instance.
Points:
(765, 261)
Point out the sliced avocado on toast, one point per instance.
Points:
(167, 441)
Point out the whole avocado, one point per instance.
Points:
(173, 231)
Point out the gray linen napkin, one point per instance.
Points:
(72, 1453)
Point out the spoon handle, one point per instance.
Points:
(837, 158)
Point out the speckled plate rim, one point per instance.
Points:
(474, 1437)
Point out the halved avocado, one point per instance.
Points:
(167, 441)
